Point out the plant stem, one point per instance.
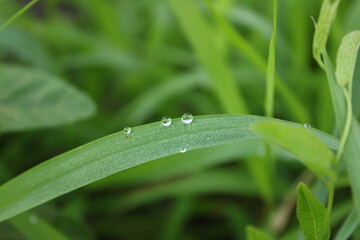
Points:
(19, 13)
(347, 127)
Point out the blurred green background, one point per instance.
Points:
(138, 60)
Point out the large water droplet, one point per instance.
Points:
(182, 150)
(127, 130)
(166, 121)
(187, 118)
(307, 125)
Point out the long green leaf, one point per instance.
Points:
(351, 155)
(33, 99)
(180, 164)
(349, 226)
(300, 141)
(118, 152)
(312, 215)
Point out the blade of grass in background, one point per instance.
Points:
(210, 55)
(294, 104)
(34, 228)
(120, 151)
(271, 66)
(226, 182)
(18, 14)
(32, 99)
(349, 226)
(180, 212)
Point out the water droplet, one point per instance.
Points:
(187, 118)
(166, 121)
(127, 130)
(182, 150)
(307, 125)
(33, 219)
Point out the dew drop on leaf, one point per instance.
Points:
(307, 125)
(127, 130)
(183, 150)
(187, 118)
(166, 121)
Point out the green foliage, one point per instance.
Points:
(312, 215)
(33, 99)
(346, 58)
(349, 226)
(323, 26)
(255, 234)
(138, 61)
(301, 142)
(118, 152)
(210, 54)
(36, 229)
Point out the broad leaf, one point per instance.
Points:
(33, 99)
(118, 152)
(323, 26)
(346, 58)
(311, 215)
(301, 142)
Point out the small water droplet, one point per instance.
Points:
(33, 219)
(127, 130)
(187, 118)
(166, 121)
(182, 150)
(307, 125)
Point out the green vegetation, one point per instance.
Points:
(271, 150)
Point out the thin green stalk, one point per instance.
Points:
(19, 13)
(347, 126)
(270, 72)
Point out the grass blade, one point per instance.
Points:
(32, 99)
(118, 152)
(210, 55)
(294, 104)
(349, 226)
(18, 14)
(270, 73)
(36, 229)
